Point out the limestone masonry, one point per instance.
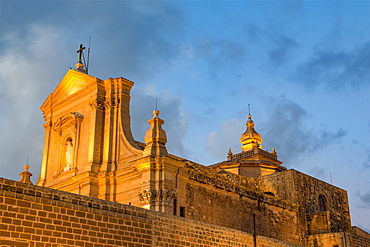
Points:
(100, 187)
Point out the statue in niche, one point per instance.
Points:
(69, 155)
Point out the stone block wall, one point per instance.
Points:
(227, 200)
(304, 190)
(38, 216)
(219, 207)
(355, 240)
(326, 240)
(318, 223)
(358, 231)
(337, 239)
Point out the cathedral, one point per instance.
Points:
(90, 152)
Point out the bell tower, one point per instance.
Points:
(250, 138)
(252, 161)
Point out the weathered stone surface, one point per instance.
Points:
(113, 224)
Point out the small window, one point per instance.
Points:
(269, 193)
(182, 211)
(322, 203)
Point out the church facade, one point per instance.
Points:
(89, 150)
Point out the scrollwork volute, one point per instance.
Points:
(145, 196)
(112, 102)
(162, 195)
(98, 103)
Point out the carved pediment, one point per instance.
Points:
(72, 83)
(67, 121)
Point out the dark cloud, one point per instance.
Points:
(282, 50)
(146, 38)
(132, 38)
(365, 198)
(367, 161)
(222, 55)
(318, 172)
(285, 130)
(39, 43)
(337, 69)
(30, 72)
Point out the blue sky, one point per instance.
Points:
(304, 66)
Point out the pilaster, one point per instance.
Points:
(45, 156)
(95, 134)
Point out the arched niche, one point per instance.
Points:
(322, 203)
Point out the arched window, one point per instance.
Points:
(322, 203)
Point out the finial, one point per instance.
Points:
(229, 155)
(26, 175)
(156, 113)
(155, 137)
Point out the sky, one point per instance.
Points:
(303, 66)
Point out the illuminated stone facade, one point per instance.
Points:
(89, 151)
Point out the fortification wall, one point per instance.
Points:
(38, 216)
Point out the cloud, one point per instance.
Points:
(318, 172)
(29, 71)
(219, 142)
(221, 54)
(365, 197)
(282, 50)
(337, 68)
(138, 39)
(366, 163)
(130, 40)
(285, 130)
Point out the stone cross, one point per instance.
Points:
(79, 51)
